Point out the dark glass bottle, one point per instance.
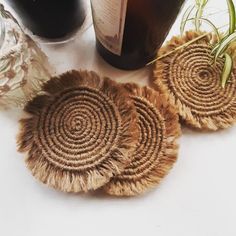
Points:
(129, 32)
(50, 18)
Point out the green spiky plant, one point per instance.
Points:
(220, 50)
(195, 14)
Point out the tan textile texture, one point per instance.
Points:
(157, 148)
(192, 82)
(79, 132)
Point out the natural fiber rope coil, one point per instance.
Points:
(156, 150)
(79, 133)
(192, 83)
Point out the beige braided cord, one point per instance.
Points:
(79, 133)
(192, 82)
(156, 150)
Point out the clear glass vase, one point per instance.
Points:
(23, 65)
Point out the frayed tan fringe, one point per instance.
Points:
(80, 132)
(156, 150)
(192, 83)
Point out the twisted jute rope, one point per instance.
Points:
(79, 133)
(157, 147)
(192, 82)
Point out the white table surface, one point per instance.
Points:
(197, 198)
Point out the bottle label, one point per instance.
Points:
(109, 23)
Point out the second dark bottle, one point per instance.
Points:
(129, 32)
(50, 18)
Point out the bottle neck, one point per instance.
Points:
(2, 31)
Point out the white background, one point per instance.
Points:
(198, 197)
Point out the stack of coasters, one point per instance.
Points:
(79, 133)
(156, 149)
(192, 82)
(84, 132)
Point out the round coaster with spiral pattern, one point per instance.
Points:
(156, 150)
(79, 133)
(192, 82)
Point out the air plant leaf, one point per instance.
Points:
(216, 47)
(228, 66)
(220, 48)
(232, 16)
(197, 18)
(215, 29)
(200, 4)
(185, 18)
(224, 45)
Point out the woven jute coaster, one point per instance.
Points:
(79, 133)
(156, 150)
(192, 83)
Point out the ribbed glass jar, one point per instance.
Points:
(23, 65)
